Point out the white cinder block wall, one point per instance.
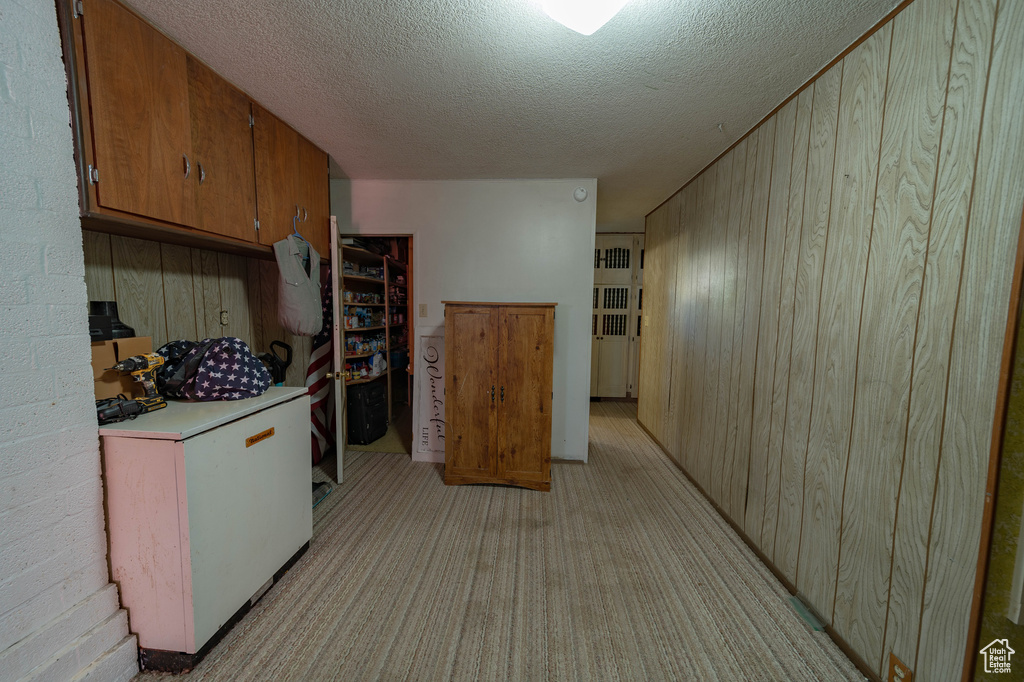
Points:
(59, 613)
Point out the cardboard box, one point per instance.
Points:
(109, 383)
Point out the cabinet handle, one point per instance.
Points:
(188, 166)
(492, 394)
(305, 215)
(202, 173)
(502, 394)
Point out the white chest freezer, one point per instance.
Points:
(206, 502)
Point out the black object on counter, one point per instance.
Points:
(103, 322)
(113, 410)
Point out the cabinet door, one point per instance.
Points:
(223, 158)
(526, 348)
(314, 195)
(276, 147)
(471, 359)
(138, 99)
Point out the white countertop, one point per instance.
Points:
(183, 419)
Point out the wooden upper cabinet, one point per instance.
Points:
(173, 152)
(315, 196)
(276, 148)
(139, 109)
(291, 180)
(222, 154)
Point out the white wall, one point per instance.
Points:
(496, 240)
(59, 613)
(635, 226)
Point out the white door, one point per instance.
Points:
(611, 354)
(339, 345)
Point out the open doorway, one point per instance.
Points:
(377, 311)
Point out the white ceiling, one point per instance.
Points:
(459, 89)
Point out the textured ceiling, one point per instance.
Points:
(459, 89)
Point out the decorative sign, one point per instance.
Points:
(430, 379)
(263, 435)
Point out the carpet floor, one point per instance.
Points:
(622, 572)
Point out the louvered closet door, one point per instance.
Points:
(471, 356)
(613, 259)
(610, 361)
(524, 407)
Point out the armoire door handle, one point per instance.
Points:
(502, 394)
(492, 394)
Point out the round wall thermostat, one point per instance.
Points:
(579, 194)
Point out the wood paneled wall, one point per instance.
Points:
(174, 292)
(825, 314)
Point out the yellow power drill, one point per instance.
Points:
(143, 369)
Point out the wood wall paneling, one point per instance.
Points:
(681, 340)
(783, 346)
(840, 293)
(741, 405)
(654, 372)
(138, 287)
(647, 409)
(810, 269)
(975, 358)
(678, 343)
(853, 192)
(99, 274)
(733, 322)
(178, 292)
(918, 66)
(722, 348)
(207, 284)
(708, 375)
(234, 296)
(172, 292)
(768, 327)
(959, 145)
(673, 410)
(755, 276)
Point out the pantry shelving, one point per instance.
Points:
(375, 321)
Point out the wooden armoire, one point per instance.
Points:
(498, 366)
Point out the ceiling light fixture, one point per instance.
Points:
(583, 16)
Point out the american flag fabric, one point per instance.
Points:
(321, 393)
(228, 371)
